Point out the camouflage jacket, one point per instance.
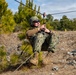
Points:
(31, 32)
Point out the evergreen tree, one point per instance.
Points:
(8, 23)
(49, 20)
(38, 10)
(74, 24)
(56, 24)
(49, 17)
(24, 13)
(65, 22)
(34, 10)
(27, 3)
(19, 15)
(3, 8)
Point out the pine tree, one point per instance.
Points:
(27, 3)
(8, 23)
(74, 24)
(65, 22)
(34, 10)
(38, 10)
(24, 14)
(56, 24)
(3, 8)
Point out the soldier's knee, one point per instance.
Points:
(40, 35)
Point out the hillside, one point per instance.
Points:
(62, 62)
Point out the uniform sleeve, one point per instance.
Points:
(31, 32)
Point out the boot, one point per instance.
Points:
(34, 60)
(46, 60)
(42, 61)
(51, 50)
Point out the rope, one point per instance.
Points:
(25, 61)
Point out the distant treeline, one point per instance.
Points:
(19, 21)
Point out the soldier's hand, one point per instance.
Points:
(47, 30)
(42, 27)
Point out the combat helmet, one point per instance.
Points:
(33, 19)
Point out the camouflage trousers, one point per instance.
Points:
(41, 41)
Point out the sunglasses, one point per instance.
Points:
(36, 21)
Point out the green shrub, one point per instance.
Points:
(3, 60)
(2, 51)
(40, 60)
(27, 49)
(14, 60)
(21, 36)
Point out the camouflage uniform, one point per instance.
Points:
(40, 40)
(43, 41)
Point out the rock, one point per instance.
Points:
(55, 68)
(73, 52)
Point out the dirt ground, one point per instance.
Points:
(62, 62)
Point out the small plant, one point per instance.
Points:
(40, 59)
(3, 64)
(27, 50)
(2, 51)
(21, 36)
(14, 59)
(3, 60)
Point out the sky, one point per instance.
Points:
(50, 7)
